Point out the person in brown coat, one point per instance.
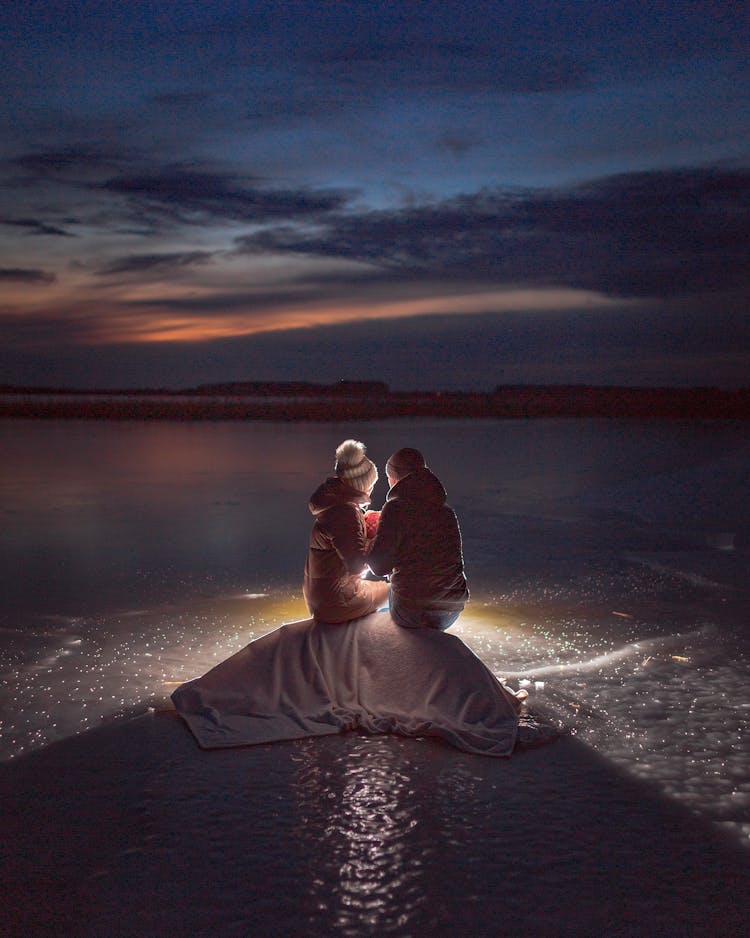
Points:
(418, 544)
(337, 556)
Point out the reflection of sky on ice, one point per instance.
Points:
(598, 582)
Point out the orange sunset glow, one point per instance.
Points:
(163, 327)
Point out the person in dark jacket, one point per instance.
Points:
(333, 586)
(418, 543)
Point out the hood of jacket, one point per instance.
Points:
(334, 491)
(420, 485)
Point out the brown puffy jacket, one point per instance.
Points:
(333, 589)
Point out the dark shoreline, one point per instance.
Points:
(373, 402)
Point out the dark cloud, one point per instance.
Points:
(436, 64)
(79, 159)
(645, 234)
(279, 107)
(503, 48)
(224, 302)
(443, 65)
(185, 193)
(25, 275)
(29, 336)
(457, 144)
(34, 226)
(140, 263)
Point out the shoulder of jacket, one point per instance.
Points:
(342, 510)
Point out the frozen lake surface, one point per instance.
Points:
(608, 563)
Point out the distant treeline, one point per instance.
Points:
(293, 388)
(371, 400)
(226, 388)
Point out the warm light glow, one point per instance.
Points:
(154, 326)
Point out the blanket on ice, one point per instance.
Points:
(314, 679)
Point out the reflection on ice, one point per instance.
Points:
(671, 709)
(362, 835)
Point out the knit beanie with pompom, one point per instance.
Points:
(354, 467)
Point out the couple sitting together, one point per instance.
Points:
(416, 543)
(308, 678)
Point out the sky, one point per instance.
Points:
(438, 195)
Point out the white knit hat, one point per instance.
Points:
(353, 466)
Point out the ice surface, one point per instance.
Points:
(596, 552)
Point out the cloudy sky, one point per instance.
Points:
(433, 194)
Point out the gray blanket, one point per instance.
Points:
(308, 679)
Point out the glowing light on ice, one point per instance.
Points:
(606, 660)
(121, 665)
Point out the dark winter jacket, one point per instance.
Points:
(418, 543)
(333, 589)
